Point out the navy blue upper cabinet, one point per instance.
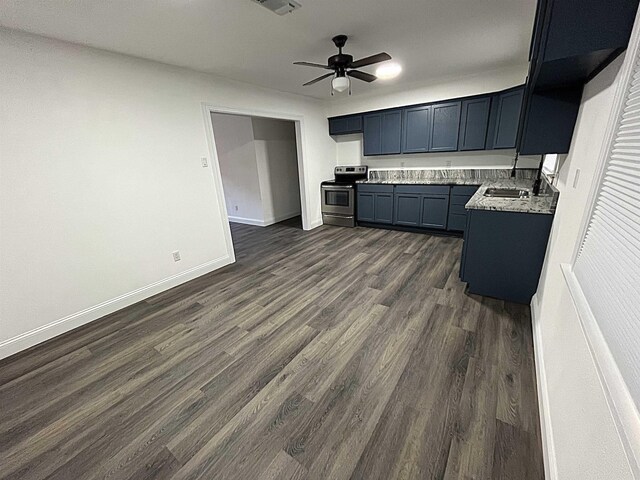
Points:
(345, 125)
(391, 132)
(474, 122)
(372, 134)
(506, 118)
(445, 127)
(416, 132)
(574, 39)
(382, 133)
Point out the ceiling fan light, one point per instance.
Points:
(388, 71)
(340, 84)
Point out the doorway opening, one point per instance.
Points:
(258, 161)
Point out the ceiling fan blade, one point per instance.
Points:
(318, 79)
(367, 77)
(363, 62)
(309, 64)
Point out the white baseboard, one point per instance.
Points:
(280, 218)
(548, 448)
(263, 223)
(60, 326)
(246, 221)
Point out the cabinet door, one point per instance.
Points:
(383, 208)
(445, 127)
(416, 129)
(391, 132)
(407, 209)
(473, 124)
(372, 134)
(354, 123)
(507, 118)
(366, 207)
(345, 125)
(435, 209)
(337, 126)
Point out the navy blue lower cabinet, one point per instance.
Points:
(407, 209)
(460, 196)
(375, 203)
(434, 212)
(456, 222)
(503, 253)
(383, 208)
(365, 207)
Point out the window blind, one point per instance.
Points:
(607, 265)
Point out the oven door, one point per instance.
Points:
(338, 199)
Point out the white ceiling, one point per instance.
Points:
(241, 40)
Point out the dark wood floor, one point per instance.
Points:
(332, 354)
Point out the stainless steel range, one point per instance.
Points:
(339, 196)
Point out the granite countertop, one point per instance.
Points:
(543, 203)
(425, 181)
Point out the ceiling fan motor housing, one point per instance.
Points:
(339, 61)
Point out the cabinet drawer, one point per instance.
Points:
(465, 190)
(457, 209)
(457, 222)
(423, 189)
(375, 188)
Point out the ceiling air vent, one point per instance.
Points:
(281, 7)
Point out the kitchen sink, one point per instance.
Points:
(506, 193)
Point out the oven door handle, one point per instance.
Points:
(342, 187)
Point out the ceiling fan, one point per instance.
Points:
(344, 66)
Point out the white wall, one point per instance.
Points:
(277, 160)
(101, 180)
(582, 434)
(238, 166)
(349, 147)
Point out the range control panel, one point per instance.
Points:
(355, 170)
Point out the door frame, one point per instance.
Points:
(208, 109)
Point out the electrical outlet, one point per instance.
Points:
(235, 207)
(176, 256)
(204, 161)
(448, 163)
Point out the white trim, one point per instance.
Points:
(263, 223)
(246, 221)
(621, 404)
(307, 224)
(216, 176)
(65, 324)
(315, 223)
(546, 427)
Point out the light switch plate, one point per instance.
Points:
(204, 161)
